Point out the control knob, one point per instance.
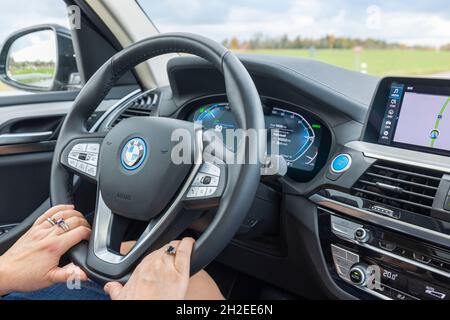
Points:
(362, 235)
(359, 274)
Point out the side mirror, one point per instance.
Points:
(40, 58)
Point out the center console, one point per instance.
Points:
(384, 218)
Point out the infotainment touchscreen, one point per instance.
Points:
(424, 120)
(415, 114)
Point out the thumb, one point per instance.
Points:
(76, 271)
(59, 275)
(113, 289)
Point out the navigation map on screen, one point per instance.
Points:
(424, 120)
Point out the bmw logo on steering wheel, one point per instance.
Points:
(133, 154)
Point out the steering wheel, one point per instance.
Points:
(136, 177)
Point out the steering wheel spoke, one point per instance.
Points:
(103, 254)
(81, 156)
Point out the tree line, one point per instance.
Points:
(261, 41)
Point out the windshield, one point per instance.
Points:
(374, 37)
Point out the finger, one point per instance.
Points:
(66, 214)
(73, 237)
(183, 256)
(58, 275)
(76, 271)
(113, 289)
(73, 223)
(169, 259)
(52, 211)
(160, 253)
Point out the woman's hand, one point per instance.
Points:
(160, 276)
(32, 262)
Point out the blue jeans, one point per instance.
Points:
(89, 291)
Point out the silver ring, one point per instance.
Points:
(63, 224)
(51, 221)
(171, 250)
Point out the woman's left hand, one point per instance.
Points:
(32, 262)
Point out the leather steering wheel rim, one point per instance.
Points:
(246, 107)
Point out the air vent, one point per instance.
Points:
(400, 186)
(142, 106)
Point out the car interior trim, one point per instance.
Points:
(409, 157)
(397, 225)
(129, 29)
(116, 108)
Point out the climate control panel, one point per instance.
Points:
(383, 263)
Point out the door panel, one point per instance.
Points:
(24, 185)
(26, 151)
(30, 130)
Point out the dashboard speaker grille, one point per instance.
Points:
(142, 106)
(400, 186)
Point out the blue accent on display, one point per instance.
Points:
(341, 163)
(132, 149)
(396, 91)
(296, 140)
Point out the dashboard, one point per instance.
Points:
(393, 223)
(367, 189)
(301, 138)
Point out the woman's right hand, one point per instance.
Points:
(160, 276)
(32, 262)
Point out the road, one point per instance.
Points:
(445, 74)
(438, 121)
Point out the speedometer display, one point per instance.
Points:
(296, 137)
(216, 116)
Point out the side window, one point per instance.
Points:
(37, 53)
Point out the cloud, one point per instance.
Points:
(18, 14)
(39, 46)
(411, 22)
(201, 12)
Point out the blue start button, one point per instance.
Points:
(341, 163)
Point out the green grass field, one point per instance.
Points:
(379, 62)
(41, 70)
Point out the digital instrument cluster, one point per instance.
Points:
(297, 136)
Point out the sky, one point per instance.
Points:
(38, 46)
(423, 22)
(18, 14)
